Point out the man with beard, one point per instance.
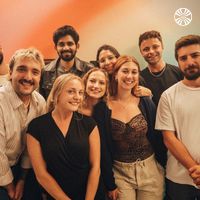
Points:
(178, 117)
(66, 41)
(158, 75)
(19, 104)
(3, 69)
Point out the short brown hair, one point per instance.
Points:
(120, 61)
(148, 35)
(186, 41)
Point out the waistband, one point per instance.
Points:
(137, 162)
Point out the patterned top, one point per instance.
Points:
(129, 139)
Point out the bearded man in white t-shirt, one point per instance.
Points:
(178, 116)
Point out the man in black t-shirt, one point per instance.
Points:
(158, 75)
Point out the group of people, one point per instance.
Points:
(104, 132)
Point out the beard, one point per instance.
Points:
(1, 58)
(192, 72)
(67, 57)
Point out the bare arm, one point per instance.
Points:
(94, 155)
(178, 150)
(42, 175)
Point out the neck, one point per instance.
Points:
(90, 103)
(192, 83)
(61, 115)
(3, 69)
(66, 65)
(157, 67)
(25, 99)
(123, 95)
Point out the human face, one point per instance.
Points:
(96, 85)
(107, 60)
(25, 76)
(151, 50)
(189, 61)
(71, 96)
(127, 76)
(66, 48)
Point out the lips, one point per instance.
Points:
(26, 82)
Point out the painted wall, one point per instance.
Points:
(27, 23)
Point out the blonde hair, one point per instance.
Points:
(58, 87)
(85, 80)
(30, 53)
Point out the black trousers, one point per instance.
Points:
(176, 191)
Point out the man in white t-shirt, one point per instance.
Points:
(178, 116)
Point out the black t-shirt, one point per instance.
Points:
(158, 83)
(67, 158)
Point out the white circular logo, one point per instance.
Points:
(183, 16)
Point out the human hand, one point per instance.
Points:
(195, 174)
(10, 190)
(19, 190)
(140, 91)
(113, 194)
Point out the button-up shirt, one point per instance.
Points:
(14, 119)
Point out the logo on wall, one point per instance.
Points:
(183, 16)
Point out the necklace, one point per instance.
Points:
(157, 74)
(120, 102)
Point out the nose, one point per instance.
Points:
(107, 62)
(77, 96)
(28, 75)
(65, 47)
(190, 60)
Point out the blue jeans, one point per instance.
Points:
(176, 191)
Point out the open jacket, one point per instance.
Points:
(102, 116)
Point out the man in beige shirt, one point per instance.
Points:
(19, 104)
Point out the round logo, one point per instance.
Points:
(183, 16)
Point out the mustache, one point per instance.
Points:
(66, 51)
(26, 81)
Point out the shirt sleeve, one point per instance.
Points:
(164, 117)
(6, 175)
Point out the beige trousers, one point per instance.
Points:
(141, 180)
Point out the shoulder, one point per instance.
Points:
(144, 71)
(51, 66)
(40, 120)
(83, 65)
(173, 68)
(38, 98)
(86, 122)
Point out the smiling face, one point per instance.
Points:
(151, 50)
(66, 48)
(189, 61)
(71, 96)
(127, 76)
(107, 60)
(96, 85)
(25, 76)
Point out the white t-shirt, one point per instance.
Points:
(179, 111)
